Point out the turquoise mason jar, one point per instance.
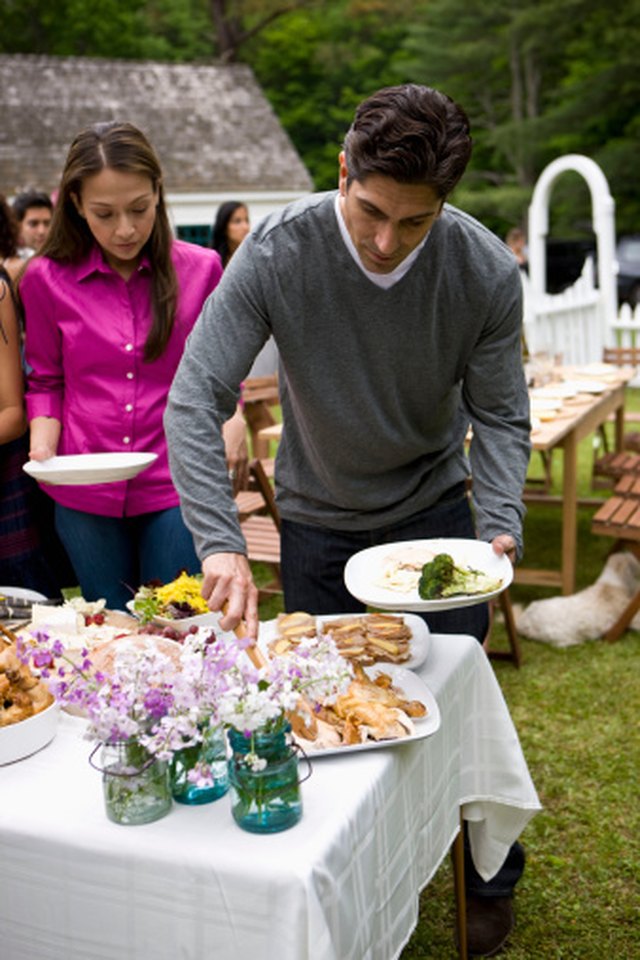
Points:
(263, 781)
(211, 754)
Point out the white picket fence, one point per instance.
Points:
(571, 323)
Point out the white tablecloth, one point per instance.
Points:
(343, 884)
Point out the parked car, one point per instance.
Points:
(628, 257)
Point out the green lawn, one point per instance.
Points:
(576, 711)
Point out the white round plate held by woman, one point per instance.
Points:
(365, 573)
(89, 468)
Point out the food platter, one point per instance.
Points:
(418, 644)
(89, 468)
(363, 574)
(414, 688)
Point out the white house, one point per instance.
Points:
(215, 133)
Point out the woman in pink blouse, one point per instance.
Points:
(109, 303)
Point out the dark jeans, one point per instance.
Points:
(313, 561)
(113, 556)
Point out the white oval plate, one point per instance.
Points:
(20, 740)
(418, 644)
(183, 624)
(413, 688)
(88, 468)
(363, 573)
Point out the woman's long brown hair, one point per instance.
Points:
(123, 147)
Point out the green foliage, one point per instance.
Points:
(316, 66)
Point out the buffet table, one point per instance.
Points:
(341, 885)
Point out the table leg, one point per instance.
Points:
(457, 854)
(569, 513)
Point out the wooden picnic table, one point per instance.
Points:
(578, 417)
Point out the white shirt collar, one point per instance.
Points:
(384, 280)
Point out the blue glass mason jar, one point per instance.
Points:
(263, 781)
(210, 756)
(136, 786)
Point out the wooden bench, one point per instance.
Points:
(619, 518)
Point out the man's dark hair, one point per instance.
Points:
(411, 133)
(28, 199)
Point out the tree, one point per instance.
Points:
(238, 21)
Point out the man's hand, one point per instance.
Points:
(504, 543)
(228, 580)
(234, 434)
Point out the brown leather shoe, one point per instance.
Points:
(490, 920)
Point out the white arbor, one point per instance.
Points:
(576, 322)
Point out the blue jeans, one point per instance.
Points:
(313, 561)
(113, 556)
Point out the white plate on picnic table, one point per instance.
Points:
(588, 386)
(89, 468)
(364, 573)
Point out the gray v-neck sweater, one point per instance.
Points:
(378, 387)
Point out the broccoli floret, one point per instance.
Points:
(440, 577)
(436, 575)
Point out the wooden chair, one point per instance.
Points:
(514, 653)
(619, 518)
(259, 395)
(611, 464)
(261, 530)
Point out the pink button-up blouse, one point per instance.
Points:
(85, 333)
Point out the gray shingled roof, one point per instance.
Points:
(212, 126)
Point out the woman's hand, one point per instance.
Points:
(234, 434)
(45, 436)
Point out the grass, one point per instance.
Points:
(576, 712)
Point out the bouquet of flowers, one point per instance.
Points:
(165, 702)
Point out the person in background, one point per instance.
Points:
(33, 210)
(9, 234)
(229, 229)
(109, 303)
(516, 240)
(397, 319)
(23, 559)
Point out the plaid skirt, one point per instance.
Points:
(27, 536)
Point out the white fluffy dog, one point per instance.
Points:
(587, 615)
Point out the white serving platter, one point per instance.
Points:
(413, 688)
(21, 593)
(20, 740)
(89, 468)
(363, 573)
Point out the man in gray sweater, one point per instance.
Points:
(397, 320)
